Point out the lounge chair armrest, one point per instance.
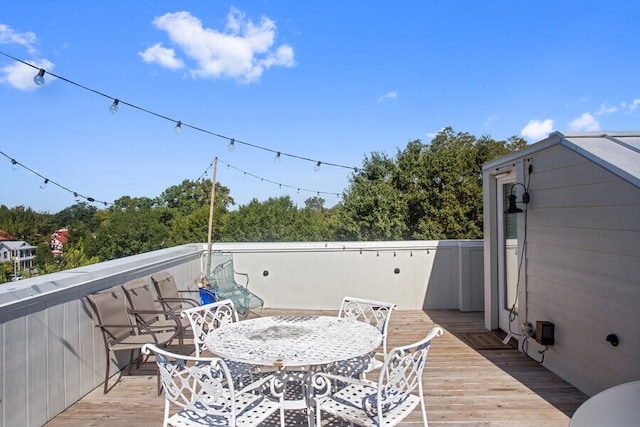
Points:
(147, 331)
(246, 277)
(189, 301)
(189, 291)
(169, 315)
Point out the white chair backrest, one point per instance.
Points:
(376, 313)
(208, 317)
(201, 385)
(400, 375)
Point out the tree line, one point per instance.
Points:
(426, 191)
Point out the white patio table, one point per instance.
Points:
(286, 342)
(617, 406)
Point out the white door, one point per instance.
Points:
(508, 259)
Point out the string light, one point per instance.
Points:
(276, 160)
(262, 179)
(317, 166)
(232, 145)
(16, 164)
(178, 126)
(40, 81)
(39, 78)
(114, 106)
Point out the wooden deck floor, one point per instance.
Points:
(464, 386)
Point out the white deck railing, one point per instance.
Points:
(52, 355)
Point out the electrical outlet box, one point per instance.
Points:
(544, 332)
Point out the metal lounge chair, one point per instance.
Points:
(169, 295)
(200, 391)
(376, 313)
(147, 312)
(385, 402)
(118, 331)
(208, 317)
(220, 277)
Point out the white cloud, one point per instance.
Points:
(586, 122)
(537, 130)
(632, 106)
(17, 74)
(21, 76)
(162, 56)
(243, 51)
(490, 120)
(605, 110)
(9, 36)
(392, 96)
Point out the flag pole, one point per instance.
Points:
(213, 196)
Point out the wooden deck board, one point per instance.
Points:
(463, 386)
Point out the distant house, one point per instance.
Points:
(19, 253)
(58, 239)
(567, 253)
(4, 235)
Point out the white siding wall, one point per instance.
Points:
(414, 275)
(583, 268)
(51, 354)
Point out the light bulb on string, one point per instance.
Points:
(178, 126)
(14, 164)
(232, 144)
(317, 166)
(39, 78)
(114, 107)
(276, 160)
(44, 183)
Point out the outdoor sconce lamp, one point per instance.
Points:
(513, 208)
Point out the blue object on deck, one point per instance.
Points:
(207, 296)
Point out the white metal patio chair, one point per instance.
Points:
(385, 402)
(211, 316)
(376, 313)
(200, 391)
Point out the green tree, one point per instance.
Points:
(74, 256)
(314, 203)
(274, 220)
(23, 223)
(130, 226)
(189, 204)
(428, 191)
(79, 218)
(372, 208)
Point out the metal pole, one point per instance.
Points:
(213, 196)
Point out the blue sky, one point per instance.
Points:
(329, 81)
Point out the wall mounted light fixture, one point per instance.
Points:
(526, 198)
